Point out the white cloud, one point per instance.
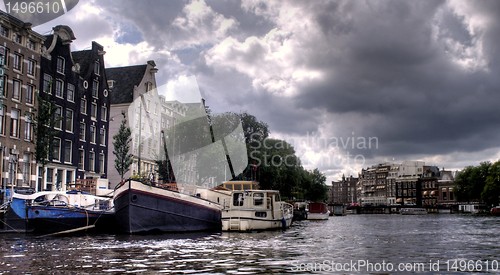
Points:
(201, 25)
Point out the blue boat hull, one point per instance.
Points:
(21, 217)
(47, 219)
(157, 210)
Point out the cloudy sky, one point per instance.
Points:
(404, 80)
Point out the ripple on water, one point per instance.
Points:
(393, 238)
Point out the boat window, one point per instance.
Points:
(238, 199)
(260, 214)
(258, 199)
(40, 199)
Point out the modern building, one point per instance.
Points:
(133, 92)
(93, 113)
(20, 50)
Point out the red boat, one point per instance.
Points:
(495, 211)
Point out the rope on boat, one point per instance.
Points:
(12, 228)
(68, 231)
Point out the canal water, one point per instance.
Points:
(354, 244)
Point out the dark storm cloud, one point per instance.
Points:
(248, 23)
(421, 76)
(153, 18)
(387, 64)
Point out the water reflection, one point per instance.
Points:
(375, 238)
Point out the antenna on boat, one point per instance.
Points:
(167, 159)
(226, 152)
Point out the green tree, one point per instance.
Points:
(317, 191)
(470, 182)
(44, 133)
(491, 191)
(121, 143)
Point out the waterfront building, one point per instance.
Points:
(133, 93)
(20, 50)
(92, 113)
(374, 185)
(344, 191)
(59, 83)
(407, 183)
(446, 184)
(429, 183)
(391, 183)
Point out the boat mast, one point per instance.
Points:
(226, 152)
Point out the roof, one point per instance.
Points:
(86, 59)
(125, 78)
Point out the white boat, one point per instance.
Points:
(413, 211)
(318, 211)
(250, 210)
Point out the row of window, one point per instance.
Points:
(68, 150)
(18, 61)
(70, 96)
(93, 134)
(91, 160)
(18, 38)
(59, 88)
(15, 125)
(68, 122)
(17, 92)
(93, 110)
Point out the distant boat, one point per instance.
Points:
(318, 211)
(57, 211)
(300, 211)
(413, 211)
(495, 211)
(143, 208)
(252, 210)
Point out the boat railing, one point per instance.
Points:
(4, 206)
(168, 186)
(85, 185)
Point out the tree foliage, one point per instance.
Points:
(470, 182)
(121, 143)
(479, 183)
(44, 132)
(275, 165)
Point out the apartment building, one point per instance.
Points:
(20, 50)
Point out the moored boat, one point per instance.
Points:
(252, 210)
(57, 211)
(495, 211)
(300, 211)
(413, 211)
(143, 208)
(318, 211)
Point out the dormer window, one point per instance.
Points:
(61, 64)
